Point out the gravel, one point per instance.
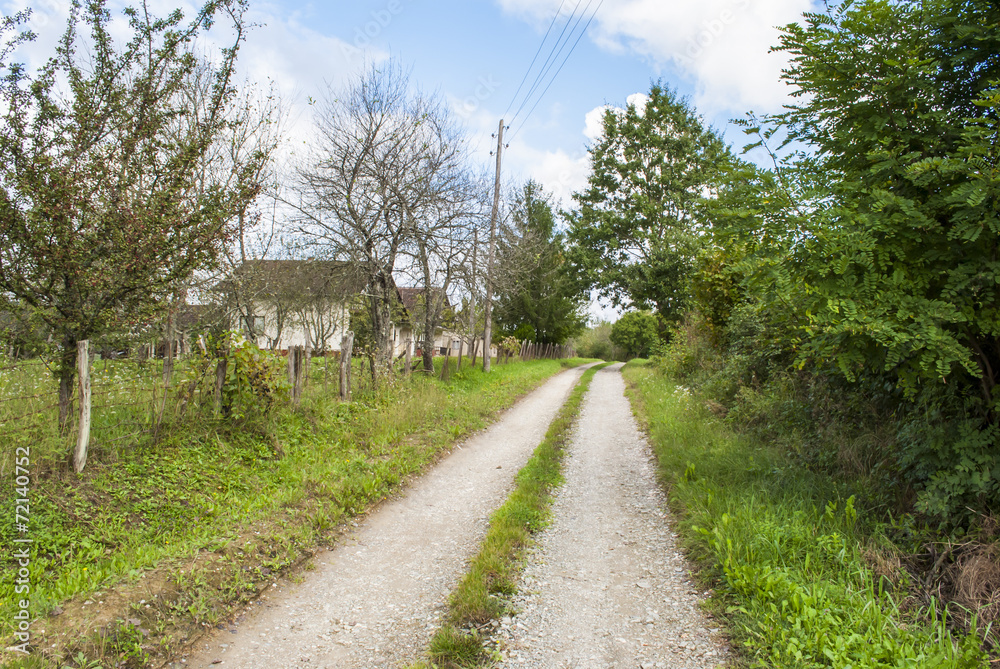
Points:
(605, 585)
(376, 598)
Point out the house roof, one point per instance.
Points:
(294, 278)
(410, 297)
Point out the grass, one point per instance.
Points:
(494, 570)
(159, 539)
(784, 548)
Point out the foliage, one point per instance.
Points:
(595, 342)
(874, 254)
(635, 236)
(785, 546)
(636, 332)
(539, 291)
(106, 206)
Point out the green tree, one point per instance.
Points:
(107, 203)
(635, 333)
(638, 228)
(886, 239)
(539, 297)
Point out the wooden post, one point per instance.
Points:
(445, 371)
(488, 312)
(475, 351)
(461, 343)
(346, 347)
(296, 368)
(83, 383)
(408, 357)
(220, 381)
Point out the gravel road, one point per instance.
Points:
(606, 585)
(374, 599)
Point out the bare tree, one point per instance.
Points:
(376, 171)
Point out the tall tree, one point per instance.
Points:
(538, 294)
(377, 168)
(636, 232)
(102, 211)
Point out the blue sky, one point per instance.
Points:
(475, 52)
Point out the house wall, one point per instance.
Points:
(294, 333)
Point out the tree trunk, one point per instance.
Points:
(66, 372)
(381, 318)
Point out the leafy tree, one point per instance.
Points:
(884, 239)
(637, 231)
(635, 333)
(103, 210)
(539, 297)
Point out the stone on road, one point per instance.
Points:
(605, 585)
(375, 599)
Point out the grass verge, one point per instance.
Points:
(784, 548)
(493, 572)
(156, 542)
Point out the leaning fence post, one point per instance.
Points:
(83, 380)
(445, 372)
(408, 357)
(346, 347)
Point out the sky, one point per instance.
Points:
(475, 54)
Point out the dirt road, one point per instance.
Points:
(374, 600)
(606, 586)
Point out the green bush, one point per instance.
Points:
(786, 545)
(636, 332)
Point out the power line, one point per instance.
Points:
(535, 58)
(568, 54)
(553, 53)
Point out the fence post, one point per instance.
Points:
(220, 381)
(445, 371)
(408, 357)
(295, 360)
(83, 380)
(346, 347)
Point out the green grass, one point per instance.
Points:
(207, 515)
(784, 548)
(494, 570)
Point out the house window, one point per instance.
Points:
(455, 345)
(444, 350)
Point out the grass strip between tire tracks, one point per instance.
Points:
(494, 571)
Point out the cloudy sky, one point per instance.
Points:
(477, 53)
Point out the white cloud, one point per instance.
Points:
(593, 123)
(721, 44)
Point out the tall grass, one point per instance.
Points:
(785, 548)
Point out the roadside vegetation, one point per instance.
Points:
(480, 597)
(162, 538)
(805, 575)
(834, 313)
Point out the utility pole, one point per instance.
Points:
(488, 330)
